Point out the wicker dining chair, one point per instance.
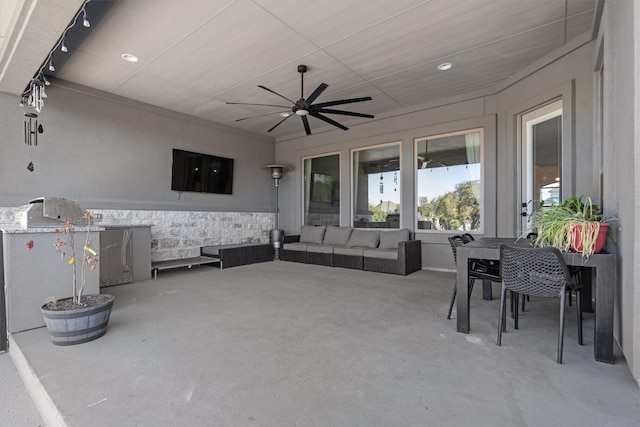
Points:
(540, 272)
(476, 271)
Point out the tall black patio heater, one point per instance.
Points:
(276, 235)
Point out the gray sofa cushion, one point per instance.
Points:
(337, 236)
(381, 253)
(338, 250)
(321, 249)
(364, 239)
(295, 246)
(390, 239)
(312, 234)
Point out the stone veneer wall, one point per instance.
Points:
(179, 234)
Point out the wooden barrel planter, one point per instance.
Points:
(79, 325)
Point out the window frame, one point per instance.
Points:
(482, 184)
(302, 184)
(352, 199)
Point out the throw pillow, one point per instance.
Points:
(390, 239)
(337, 236)
(312, 234)
(364, 239)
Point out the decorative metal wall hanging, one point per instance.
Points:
(32, 129)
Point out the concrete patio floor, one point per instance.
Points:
(285, 344)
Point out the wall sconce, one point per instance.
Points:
(276, 235)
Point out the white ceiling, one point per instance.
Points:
(196, 55)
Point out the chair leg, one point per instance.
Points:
(502, 321)
(453, 299)
(561, 327)
(579, 309)
(516, 311)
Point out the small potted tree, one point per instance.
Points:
(79, 318)
(575, 224)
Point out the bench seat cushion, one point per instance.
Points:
(295, 246)
(321, 249)
(338, 250)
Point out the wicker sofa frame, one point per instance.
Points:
(408, 261)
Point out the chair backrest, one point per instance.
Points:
(467, 237)
(456, 241)
(534, 271)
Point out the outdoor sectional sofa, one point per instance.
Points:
(384, 251)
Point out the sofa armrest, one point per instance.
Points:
(410, 253)
(292, 239)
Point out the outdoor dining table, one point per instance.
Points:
(604, 270)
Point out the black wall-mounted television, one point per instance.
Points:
(201, 173)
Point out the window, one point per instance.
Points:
(321, 190)
(375, 181)
(449, 181)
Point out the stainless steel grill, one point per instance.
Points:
(51, 211)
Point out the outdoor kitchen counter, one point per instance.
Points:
(32, 272)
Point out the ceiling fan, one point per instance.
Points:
(305, 107)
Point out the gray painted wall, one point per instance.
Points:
(620, 41)
(112, 153)
(567, 74)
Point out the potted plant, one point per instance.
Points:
(575, 224)
(79, 318)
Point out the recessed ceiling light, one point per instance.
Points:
(285, 114)
(444, 66)
(129, 57)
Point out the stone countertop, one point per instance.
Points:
(112, 226)
(34, 230)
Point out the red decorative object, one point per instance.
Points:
(600, 240)
(29, 244)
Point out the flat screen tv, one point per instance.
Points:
(202, 173)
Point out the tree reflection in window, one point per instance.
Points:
(375, 186)
(449, 181)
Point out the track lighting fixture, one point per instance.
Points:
(34, 95)
(85, 18)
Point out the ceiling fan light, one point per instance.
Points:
(302, 112)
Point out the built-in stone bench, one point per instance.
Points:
(230, 255)
(180, 262)
(233, 255)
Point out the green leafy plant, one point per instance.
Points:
(574, 223)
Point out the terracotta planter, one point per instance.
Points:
(80, 325)
(599, 242)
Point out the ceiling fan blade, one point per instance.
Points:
(262, 105)
(328, 120)
(278, 124)
(259, 115)
(316, 93)
(343, 101)
(305, 122)
(344, 113)
(275, 93)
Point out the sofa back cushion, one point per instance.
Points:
(390, 239)
(337, 236)
(364, 239)
(312, 234)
